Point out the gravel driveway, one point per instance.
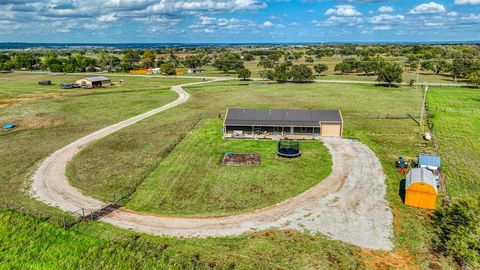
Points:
(349, 205)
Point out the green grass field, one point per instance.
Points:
(192, 180)
(131, 155)
(46, 122)
(365, 108)
(456, 121)
(30, 243)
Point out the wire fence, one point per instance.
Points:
(445, 109)
(60, 219)
(431, 127)
(391, 116)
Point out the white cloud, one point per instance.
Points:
(452, 14)
(433, 24)
(382, 27)
(343, 10)
(267, 24)
(208, 24)
(175, 7)
(385, 18)
(428, 8)
(467, 2)
(386, 9)
(108, 18)
(336, 20)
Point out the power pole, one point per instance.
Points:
(418, 69)
(425, 87)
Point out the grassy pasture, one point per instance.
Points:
(456, 121)
(364, 106)
(29, 243)
(136, 151)
(192, 180)
(47, 122)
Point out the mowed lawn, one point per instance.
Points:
(456, 121)
(48, 118)
(192, 180)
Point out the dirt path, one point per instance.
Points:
(349, 205)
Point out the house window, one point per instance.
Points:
(277, 129)
(304, 130)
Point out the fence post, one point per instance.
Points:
(65, 223)
(114, 198)
(83, 212)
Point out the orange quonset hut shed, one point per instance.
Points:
(421, 189)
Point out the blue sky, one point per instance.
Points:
(238, 20)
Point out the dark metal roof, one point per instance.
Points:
(267, 117)
(97, 79)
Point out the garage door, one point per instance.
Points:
(331, 130)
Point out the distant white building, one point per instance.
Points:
(195, 70)
(153, 71)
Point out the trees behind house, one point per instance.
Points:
(193, 61)
(130, 59)
(167, 68)
(390, 73)
(25, 60)
(148, 59)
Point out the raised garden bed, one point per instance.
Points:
(241, 159)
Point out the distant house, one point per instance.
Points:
(282, 124)
(195, 70)
(94, 82)
(153, 71)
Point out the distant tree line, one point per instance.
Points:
(461, 62)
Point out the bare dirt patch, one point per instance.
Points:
(241, 159)
(380, 260)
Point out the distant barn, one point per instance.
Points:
(94, 82)
(282, 124)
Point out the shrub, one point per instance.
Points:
(457, 229)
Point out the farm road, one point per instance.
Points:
(349, 205)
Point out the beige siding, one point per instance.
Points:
(331, 130)
(83, 82)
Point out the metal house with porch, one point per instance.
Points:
(282, 124)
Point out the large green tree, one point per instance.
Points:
(228, 61)
(244, 73)
(320, 68)
(167, 68)
(300, 73)
(390, 73)
(474, 78)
